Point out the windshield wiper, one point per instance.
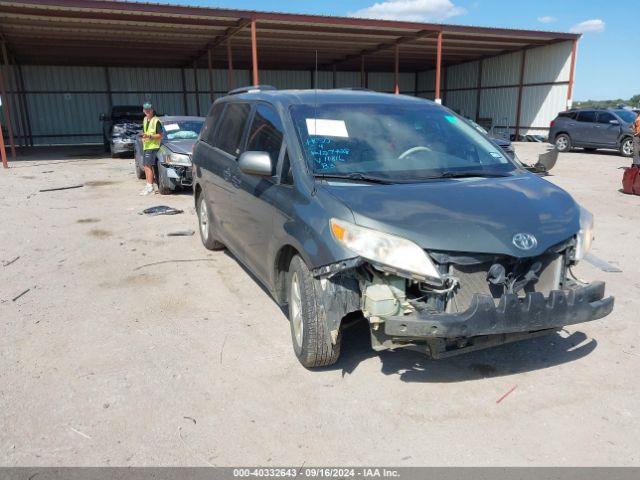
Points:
(354, 176)
(470, 173)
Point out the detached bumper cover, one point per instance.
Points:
(511, 315)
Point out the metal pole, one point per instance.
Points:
(479, 88)
(520, 87)
(15, 103)
(211, 84)
(230, 78)
(335, 74)
(108, 82)
(6, 108)
(195, 83)
(574, 53)
(363, 80)
(185, 103)
(21, 103)
(254, 54)
(3, 149)
(25, 106)
(438, 98)
(396, 79)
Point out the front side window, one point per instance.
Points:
(231, 128)
(395, 142)
(627, 116)
(588, 117)
(266, 133)
(605, 117)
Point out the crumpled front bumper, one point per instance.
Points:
(511, 315)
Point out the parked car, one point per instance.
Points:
(591, 129)
(503, 143)
(173, 162)
(347, 203)
(120, 128)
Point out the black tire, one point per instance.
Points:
(311, 337)
(162, 187)
(139, 171)
(626, 147)
(563, 142)
(204, 226)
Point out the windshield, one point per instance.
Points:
(394, 142)
(478, 127)
(186, 130)
(627, 116)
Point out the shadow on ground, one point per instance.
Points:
(518, 357)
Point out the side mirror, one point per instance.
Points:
(256, 163)
(614, 122)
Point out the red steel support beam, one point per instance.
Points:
(254, 54)
(195, 84)
(438, 98)
(6, 108)
(3, 149)
(210, 68)
(520, 88)
(231, 84)
(574, 53)
(396, 74)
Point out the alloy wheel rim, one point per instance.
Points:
(627, 148)
(204, 230)
(561, 143)
(296, 309)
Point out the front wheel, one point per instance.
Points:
(626, 148)
(563, 142)
(204, 224)
(309, 333)
(163, 188)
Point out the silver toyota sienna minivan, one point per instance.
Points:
(354, 203)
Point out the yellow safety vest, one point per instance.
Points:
(149, 128)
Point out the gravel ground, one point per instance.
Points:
(135, 348)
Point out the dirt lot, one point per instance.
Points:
(135, 348)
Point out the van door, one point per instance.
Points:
(222, 179)
(254, 206)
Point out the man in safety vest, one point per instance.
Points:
(151, 137)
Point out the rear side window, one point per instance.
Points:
(587, 117)
(266, 132)
(570, 115)
(209, 128)
(231, 128)
(605, 117)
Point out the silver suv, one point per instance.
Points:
(591, 129)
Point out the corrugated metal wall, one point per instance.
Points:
(64, 103)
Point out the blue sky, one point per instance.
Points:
(608, 61)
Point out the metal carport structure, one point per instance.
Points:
(476, 70)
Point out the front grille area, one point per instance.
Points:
(474, 279)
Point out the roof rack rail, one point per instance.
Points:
(362, 89)
(251, 89)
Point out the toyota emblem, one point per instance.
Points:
(524, 241)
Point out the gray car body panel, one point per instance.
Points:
(467, 215)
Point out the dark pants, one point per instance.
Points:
(636, 150)
(149, 157)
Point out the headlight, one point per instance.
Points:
(585, 234)
(177, 159)
(385, 249)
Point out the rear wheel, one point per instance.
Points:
(139, 171)
(626, 148)
(563, 142)
(204, 223)
(309, 333)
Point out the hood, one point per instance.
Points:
(180, 146)
(479, 215)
